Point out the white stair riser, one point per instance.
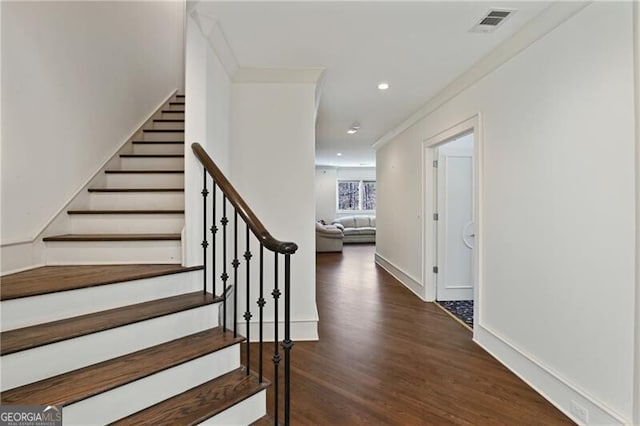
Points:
(125, 400)
(26, 311)
(39, 363)
(145, 180)
(243, 413)
(152, 163)
(158, 148)
(172, 114)
(113, 252)
(136, 200)
(163, 136)
(126, 223)
(169, 125)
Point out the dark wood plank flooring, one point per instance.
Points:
(387, 358)
(51, 279)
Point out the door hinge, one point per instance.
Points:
(435, 164)
(435, 216)
(435, 269)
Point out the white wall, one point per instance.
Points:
(557, 232)
(272, 167)
(77, 79)
(326, 187)
(326, 193)
(207, 121)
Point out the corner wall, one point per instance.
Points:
(207, 121)
(77, 79)
(558, 227)
(272, 164)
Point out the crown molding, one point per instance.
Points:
(549, 19)
(278, 75)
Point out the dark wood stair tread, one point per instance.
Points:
(144, 171)
(159, 142)
(163, 130)
(200, 403)
(264, 421)
(136, 189)
(80, 384)
(57, 331)
(173, 110)
(114, 237)
(52, 279)
(125, 212)
(151, 155)
(169, 120)
(176, 103)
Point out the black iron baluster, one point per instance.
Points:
(247, 313)
(214, 231)
(261, 304)
(287, 344)
(235, 264)
(276, 356)
(205, 243)
(224, 221)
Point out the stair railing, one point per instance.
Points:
(279, 248)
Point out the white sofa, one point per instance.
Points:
(328, 238)
(357, 229)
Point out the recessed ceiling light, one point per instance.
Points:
(352, 131)
(339, 154)
(383, 86)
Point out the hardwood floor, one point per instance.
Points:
(387, 358)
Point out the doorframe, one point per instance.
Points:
(429, 193)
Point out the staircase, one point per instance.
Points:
(120, 343)
(134, 211)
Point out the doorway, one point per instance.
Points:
(452, 247)
(454, 228)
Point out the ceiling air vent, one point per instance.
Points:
(492, 20)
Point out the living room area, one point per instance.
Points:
(345, 207)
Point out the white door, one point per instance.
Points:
(455, 234)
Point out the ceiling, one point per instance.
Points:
(417, 47)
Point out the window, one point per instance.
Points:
(356, 195)
(368, 195)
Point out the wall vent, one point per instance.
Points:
(492, 20)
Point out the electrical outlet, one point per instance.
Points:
(580, 412)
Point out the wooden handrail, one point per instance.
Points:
(243, 209)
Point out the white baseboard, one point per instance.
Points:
(301, 331)
(405, 278)
(551, 386)
(20, 257)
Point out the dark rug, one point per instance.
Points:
(461, 309)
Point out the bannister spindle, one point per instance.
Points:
(224, 221)
(235, 264)
(205, 243)
(261, 304)
(276, 356)
(287, 344)
(214, 231)
(247, 313)
(254, 226)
